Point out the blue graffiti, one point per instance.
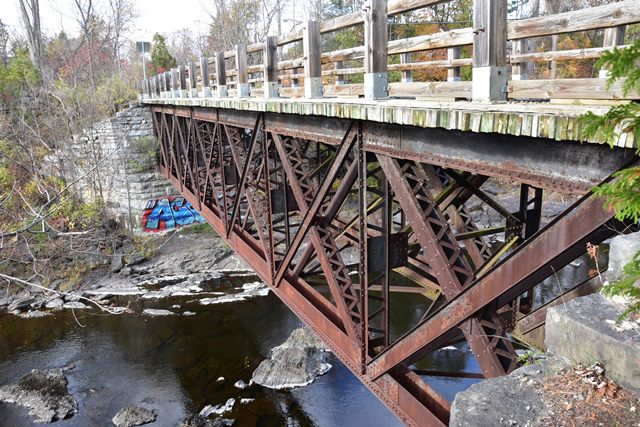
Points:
(167, 213)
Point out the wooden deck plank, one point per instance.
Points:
(544, 120)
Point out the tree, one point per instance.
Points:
(622, 193)
(161, 58)
(30, 10)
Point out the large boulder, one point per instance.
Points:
(133, 416)
(44, 393)
(622, 250)
(585, 330)
(294, 363)
(512, 400)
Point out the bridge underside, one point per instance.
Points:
(346, 219)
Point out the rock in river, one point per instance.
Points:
(157, 312)
(198, 421)
(294, 363)
(44, 393)
(133, 416)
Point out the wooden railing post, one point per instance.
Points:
(160, 77)
(168, 82)
(271, 89)
(182, 72)
(156, 85)
(521, 70)
(339, 77)
(453, 73)
(376, 79)
(193, 91)
(145, 89)
(243, 77)
(221, 76)
(407, 75)
(204, 76)
(175, 83)
(489, 50)
(312, 63)
(613, 36)
(295, 81)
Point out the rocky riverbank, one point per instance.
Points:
(183, 265)
(589, 377)
(188, 273)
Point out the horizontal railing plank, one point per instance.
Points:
(591, 18)
(394, 7)
(567, 89)
(561, 55)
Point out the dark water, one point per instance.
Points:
(171, 364)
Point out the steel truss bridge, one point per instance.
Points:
(341, 204)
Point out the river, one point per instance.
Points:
(171, 364)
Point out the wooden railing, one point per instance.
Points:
(501, 57)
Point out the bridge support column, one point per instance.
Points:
(376, 79)
(312, 64)
(489, 50)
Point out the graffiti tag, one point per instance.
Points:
(168, 213)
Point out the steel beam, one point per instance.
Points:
(422, 179)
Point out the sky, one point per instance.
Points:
(160, 16)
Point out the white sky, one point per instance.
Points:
(160, 16)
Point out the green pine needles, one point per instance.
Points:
(623, 193)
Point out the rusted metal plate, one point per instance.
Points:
(316, 128)
(568, 167)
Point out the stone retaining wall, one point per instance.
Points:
(116, 160)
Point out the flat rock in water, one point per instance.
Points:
(75, 305)
(248, 290)
(294, 363)
(33, 314)
(241, 384)
(198, 421)
(54, 303)
(21, 304)
(157, 312)
(133, 416)
(44, 393)
(218, 409)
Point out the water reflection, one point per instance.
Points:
(172, 364)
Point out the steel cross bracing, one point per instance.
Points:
(339, 223)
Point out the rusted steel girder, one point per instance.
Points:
(282, 193)
(495, 355)
(566, 167)
(562, 240)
